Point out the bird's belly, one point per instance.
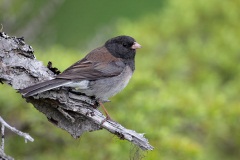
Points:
(104, 88)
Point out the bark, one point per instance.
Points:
(73, 112)
(3, 156)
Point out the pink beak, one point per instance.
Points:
(136, 45)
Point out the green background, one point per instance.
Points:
(184, 93)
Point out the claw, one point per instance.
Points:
(106, 119)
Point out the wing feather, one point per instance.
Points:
(92, 68)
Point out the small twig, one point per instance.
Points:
(2, 131)
(26, 136)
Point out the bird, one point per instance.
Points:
(102, 73)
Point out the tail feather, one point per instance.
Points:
(43, 86)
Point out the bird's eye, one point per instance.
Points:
(124, 44)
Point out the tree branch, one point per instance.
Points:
(26, 136)
(3, 156)
(73, 112)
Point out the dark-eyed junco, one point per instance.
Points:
(104, 72)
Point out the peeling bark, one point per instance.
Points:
(73, 112)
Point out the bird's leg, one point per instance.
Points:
(106, 113)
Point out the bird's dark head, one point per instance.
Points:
(122, 47)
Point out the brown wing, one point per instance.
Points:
(97, 64)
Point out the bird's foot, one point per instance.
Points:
(108, 118)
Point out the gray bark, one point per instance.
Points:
(3, 156)
(68, 110)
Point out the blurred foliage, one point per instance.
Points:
(68, 23)
(184, 93)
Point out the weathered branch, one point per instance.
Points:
(3, 156)
(4, 124)
(73, 112)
